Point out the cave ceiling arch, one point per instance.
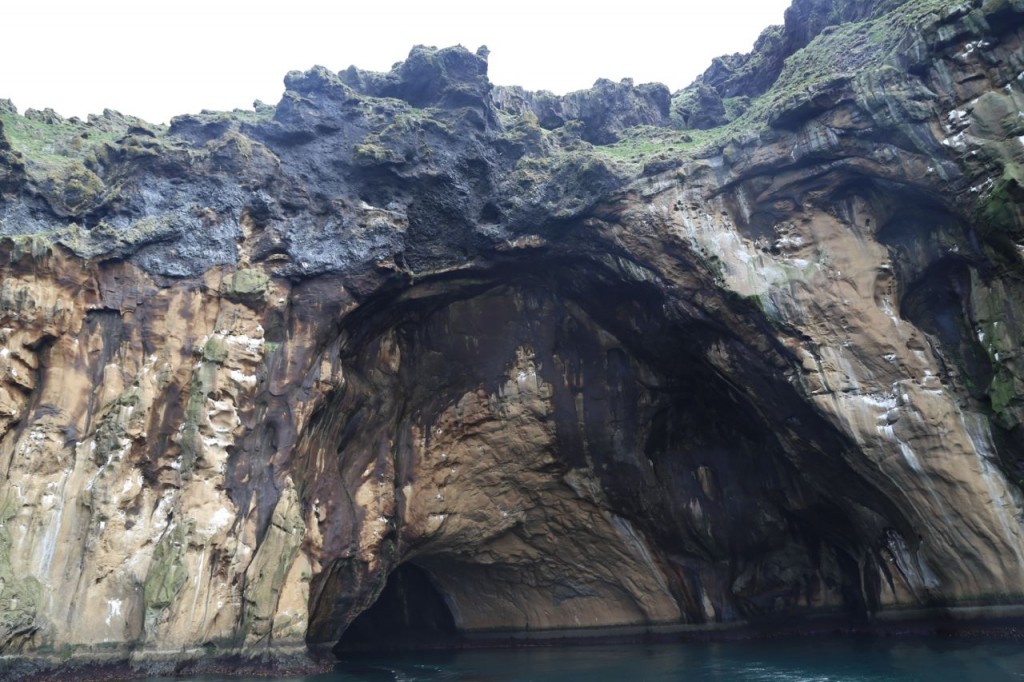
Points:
(554, 450)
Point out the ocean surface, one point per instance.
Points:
(808, 660)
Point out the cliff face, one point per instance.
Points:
(575, 361)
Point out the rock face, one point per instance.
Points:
(550, 362)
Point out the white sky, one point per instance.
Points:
(159, 59)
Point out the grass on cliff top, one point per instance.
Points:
(839, 51)
(259, 114)
(52, 145)
(51, 148)
(847, 50)
(647, 143)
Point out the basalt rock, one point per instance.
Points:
(593, 372)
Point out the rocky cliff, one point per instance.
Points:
(746, 353)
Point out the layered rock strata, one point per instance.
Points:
(611, 359)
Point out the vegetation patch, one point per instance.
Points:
(830, 61)
(202, 384)
(167, 574)
(247, 286)
(50, 146)
(1001, 210)
(19, 595)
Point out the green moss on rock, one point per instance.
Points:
(1002, 208)
(1002, 390)
(76, 188)
(215, 350)
(247, 286)
(19, 595)
(269, 568)
(201, 385)
(167, 574)
(105, 239)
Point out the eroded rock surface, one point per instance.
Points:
(576, 362)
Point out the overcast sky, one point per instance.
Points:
(159, 59)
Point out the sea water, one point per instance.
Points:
(810, 660)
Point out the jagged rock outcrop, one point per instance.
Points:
(599, 115)
(589, 371)
(752, 74)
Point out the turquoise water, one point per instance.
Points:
(810, 660)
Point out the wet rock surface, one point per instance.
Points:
(747, 355)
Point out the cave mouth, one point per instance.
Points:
(409, 614)
(570, 446)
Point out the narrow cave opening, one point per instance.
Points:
(409, 614)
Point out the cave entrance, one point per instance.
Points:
(409, 614)
(560, 450)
